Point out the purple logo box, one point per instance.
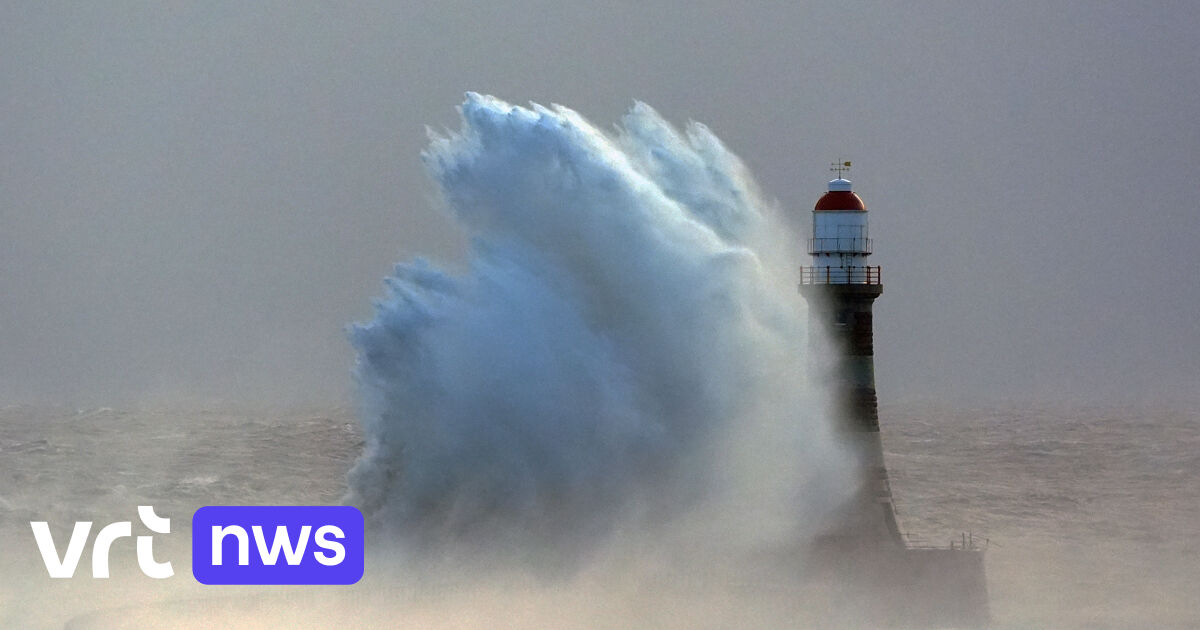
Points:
(277, 544)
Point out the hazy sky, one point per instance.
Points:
(196, 199)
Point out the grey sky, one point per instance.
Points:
(195, 199)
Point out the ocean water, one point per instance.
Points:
(1090, 516)
(1092, 512)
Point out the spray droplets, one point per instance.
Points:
(627, 311)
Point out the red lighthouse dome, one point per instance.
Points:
(840, 197)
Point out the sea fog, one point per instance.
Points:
(1088, 514)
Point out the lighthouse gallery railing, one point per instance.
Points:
(841, 275)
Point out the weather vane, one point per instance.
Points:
(840, 167)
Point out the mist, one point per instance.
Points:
(623, 335)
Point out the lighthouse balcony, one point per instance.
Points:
(841, 275)
(839, 245)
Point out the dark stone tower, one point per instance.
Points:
(892, 582)
(840, 289)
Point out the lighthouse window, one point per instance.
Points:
(843, 317)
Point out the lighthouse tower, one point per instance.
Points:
(840, 288)
(888, 578)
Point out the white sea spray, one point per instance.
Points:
(627, 340)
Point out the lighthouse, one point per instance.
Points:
(889, 578)
(840, 287)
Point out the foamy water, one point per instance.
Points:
(1091, 514)
(625, 344)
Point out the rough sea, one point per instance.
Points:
(1090, 515)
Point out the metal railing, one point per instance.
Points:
(836, 245)
(841, 275)
(965, 542)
